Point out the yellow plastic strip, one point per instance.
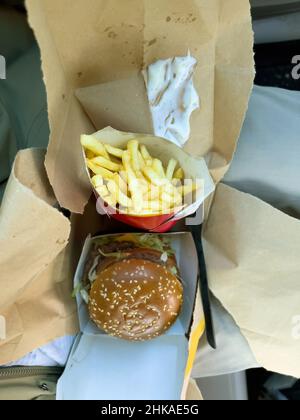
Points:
(195, 338)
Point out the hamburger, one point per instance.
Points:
(132, 286)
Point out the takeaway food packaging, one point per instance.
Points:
(195, 170)
(93, 77)
(71, 61)
(104, 367)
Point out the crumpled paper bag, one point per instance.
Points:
(268, 140)
(224, 80)
(233, 353)
(99, 42)
(252, 249)
(253, 268)
(36, 268)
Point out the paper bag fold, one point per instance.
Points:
(35, 299)
(254, 267)
(105, 47)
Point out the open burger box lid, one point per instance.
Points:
(102, 367)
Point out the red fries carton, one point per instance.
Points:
(154, 212)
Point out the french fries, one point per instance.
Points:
(97, 181)
(142, 160)
(153, 177)
(89, 155)
(189, 188)
(133, 148)
(114, 151)
(102, 191)
(122, 184)
(106, 164)
(98, 170)
(146, 155)
(171, 169)
(158, 167)
(134, 180)
(127, 162)
(179, 174)
(93, 145)
(115, 190)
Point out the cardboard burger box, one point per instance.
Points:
(102, 367)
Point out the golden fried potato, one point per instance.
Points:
(179, 174)
(94, 145)
(171, 169)
(98, 170)
(106, 164)
(114, 151)
(134, 179)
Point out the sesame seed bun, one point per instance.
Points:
(135, 299)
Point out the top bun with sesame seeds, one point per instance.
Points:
(135, 292)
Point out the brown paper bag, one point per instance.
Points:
(36, 268)
(254, 267)
(108, 43)
(252, 249)
(193, 392)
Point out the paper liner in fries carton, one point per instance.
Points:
(102, 367)
(195, 169)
